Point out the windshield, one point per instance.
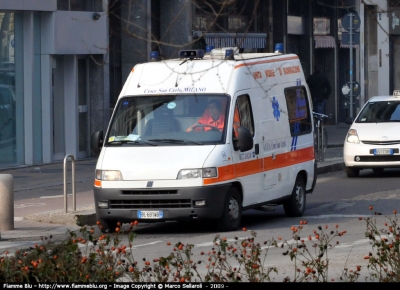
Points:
(169, 120)
(380, 112)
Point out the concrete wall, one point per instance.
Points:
(377, 72)
(74, 32)
(175, 23)
(98, 95)
(29, 5)
(133, 34)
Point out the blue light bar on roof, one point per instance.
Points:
(229, 54)
(209, 48)
(154, 56)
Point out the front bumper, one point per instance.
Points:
(362, 156)
(176, 203)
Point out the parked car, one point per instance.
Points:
(373, 140)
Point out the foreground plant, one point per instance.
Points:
(384, 260)
(85, 257)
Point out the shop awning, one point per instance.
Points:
(240, 40)
(324, 41)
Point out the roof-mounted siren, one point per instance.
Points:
(154, 56)
(191, 54)
(229, 54)
(209, 48)
(278, 48)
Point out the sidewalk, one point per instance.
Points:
(57, 223)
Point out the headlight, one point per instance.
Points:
(352, 136)
(197, 173)
(109, 175)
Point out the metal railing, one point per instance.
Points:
(72, 182)
(321, 136)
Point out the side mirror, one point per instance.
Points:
(245, 139)
(96, 142)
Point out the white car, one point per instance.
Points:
(373, 140)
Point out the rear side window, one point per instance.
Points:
(298, 110)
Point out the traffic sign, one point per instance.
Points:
(355, 19)
(346, 37)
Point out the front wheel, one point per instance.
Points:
(296, 204)
(351, 172)
(232, 212)
(107, 226)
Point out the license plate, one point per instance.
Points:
(150, 214)
(383, 151)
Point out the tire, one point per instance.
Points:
(296, 204)
(232, 212)
(352, 172)
(107, 226)
(378, 171)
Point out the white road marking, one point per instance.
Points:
(18, 218)
(143, 245)
(208, 244)
(325, 216)
(23, 205)
(133, 246)
(18, 245)
(55, 196)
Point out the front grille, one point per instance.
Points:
(369, 142)
(383, 158)
(149, 192)
(142, 204)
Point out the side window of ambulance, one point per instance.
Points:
(243, 116)
(298, 110)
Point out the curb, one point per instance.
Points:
(331, 168)
(334, 145)
(86, 219)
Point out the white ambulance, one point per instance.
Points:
(206, 136)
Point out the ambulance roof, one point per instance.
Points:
(208, 73)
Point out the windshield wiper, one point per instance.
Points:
(175, 141)
(120, 142)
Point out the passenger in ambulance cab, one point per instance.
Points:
(212, 117)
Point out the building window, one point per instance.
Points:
(79, 5)
(7, 91)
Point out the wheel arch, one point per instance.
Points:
(239, 188)
(304, 175)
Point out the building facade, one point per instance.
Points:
(312, 29)
(54, 83)
(64, 62)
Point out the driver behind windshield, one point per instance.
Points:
(212, 118)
